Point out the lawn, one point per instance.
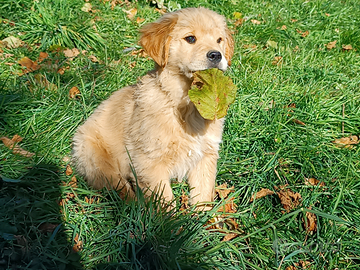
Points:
(292, 132)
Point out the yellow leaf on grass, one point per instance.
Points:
(12, 42)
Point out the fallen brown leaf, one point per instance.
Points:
(283, 27)
(239, 22)
(346, 142)
(184, 202)
(42, 56)
(255, 21)
(74, 92)
(139, 20)
(73, 182)
(311, 222)
(278, 60)
(331, 45)
(296, 121)
(347, 47)
(71, 53)
(313, 182)
(228, 207)
(131, 13)
(289, 199)
(223, 191)
(78, 244)
(29, 65)
(305, 34)
(260, 194)
(229, 237)
(93, 59)
(69, 170)
(11, 144)
(86, 7)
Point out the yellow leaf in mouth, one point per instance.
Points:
(212, 93)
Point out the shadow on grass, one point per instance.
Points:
(32, 233)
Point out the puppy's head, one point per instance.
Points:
(190, 39)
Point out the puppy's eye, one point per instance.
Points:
(219, 40)
(190, 39)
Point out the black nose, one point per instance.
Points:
(214, 56)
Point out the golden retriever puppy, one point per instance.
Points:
(153, 125)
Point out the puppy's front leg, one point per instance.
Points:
(156, 179)
(202, 180)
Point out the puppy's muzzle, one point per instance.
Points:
(214, 57)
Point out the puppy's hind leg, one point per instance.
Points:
(95, 162)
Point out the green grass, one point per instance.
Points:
(42, 217)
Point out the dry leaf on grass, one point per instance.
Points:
(86, 7)
(12, 144)
(228, 207)
(311, 222)
(139, 20)
(278, 61)
(346, 142)
(78, 245)
(229, 237)
(131, 13)
(74, 92)
(69, 170)
(313, 182)
(300, 265)
(255, 21)
(29, 65)
(223, 191)
(71, 53)
(262, 193)
(296, 121)
(42, 57)
(347, 47)
(12, 42)
(289, 199)
(73, 182)
(331, 45)
(184, 202)
(140, 53)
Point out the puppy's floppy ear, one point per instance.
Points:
(155, 38)
(229, 49)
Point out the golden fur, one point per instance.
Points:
(154, 122)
